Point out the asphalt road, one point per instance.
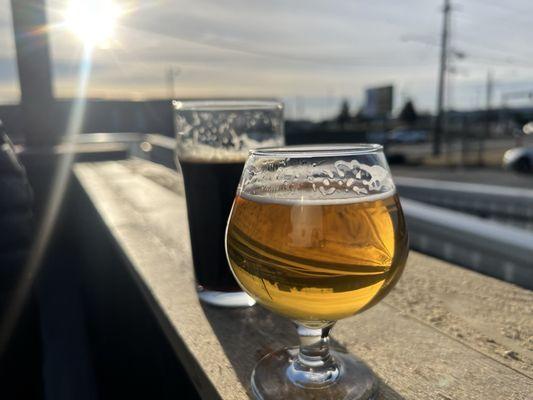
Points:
(489, 176)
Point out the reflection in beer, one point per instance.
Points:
(317, 260)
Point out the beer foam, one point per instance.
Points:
(198, 152)
(226, 135)
(297, 181)
(306, 199)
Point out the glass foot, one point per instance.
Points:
(225, 299)
(272, 378)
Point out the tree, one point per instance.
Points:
(344, 114)
(408, 113)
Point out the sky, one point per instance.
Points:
(310, 53)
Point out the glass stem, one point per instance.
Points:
(314, 367)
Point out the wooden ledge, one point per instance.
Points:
(443, 333)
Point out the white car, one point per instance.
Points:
(519, 159)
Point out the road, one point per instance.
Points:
(457, 153)
(489, 176)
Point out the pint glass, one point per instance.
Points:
(213, 140)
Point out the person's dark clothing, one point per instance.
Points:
(20, 363)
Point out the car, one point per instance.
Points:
(408, 136)
(519, 159)
(377, 137)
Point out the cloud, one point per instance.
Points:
(299, 48)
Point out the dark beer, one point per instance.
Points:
(210, 189)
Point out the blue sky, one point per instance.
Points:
(311, 53)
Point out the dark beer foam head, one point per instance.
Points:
(198, 152)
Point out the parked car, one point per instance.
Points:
(377, 137)
(519, 159)
(408, 136)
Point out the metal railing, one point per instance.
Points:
(505, 252)
(507, 204)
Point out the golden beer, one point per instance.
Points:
(317, 261)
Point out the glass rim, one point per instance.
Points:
(318, 150)
(227, 104)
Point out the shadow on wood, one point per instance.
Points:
(253, 333)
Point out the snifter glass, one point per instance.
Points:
(213, 140)
(316, 234)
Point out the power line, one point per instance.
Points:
(468, 55)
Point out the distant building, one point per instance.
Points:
(379, 102)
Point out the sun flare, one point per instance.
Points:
(93, 21)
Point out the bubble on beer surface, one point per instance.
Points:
(271, 180)
(225, 136)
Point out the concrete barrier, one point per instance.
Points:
(505, 252)
(480, 199)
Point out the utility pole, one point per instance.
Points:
(172, 73)
(488, 105)
(300, 104)
(171, 93)
(439, 120)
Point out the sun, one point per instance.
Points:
(93, 21)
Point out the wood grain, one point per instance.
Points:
(443, 333)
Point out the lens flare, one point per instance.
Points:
(94, 21)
